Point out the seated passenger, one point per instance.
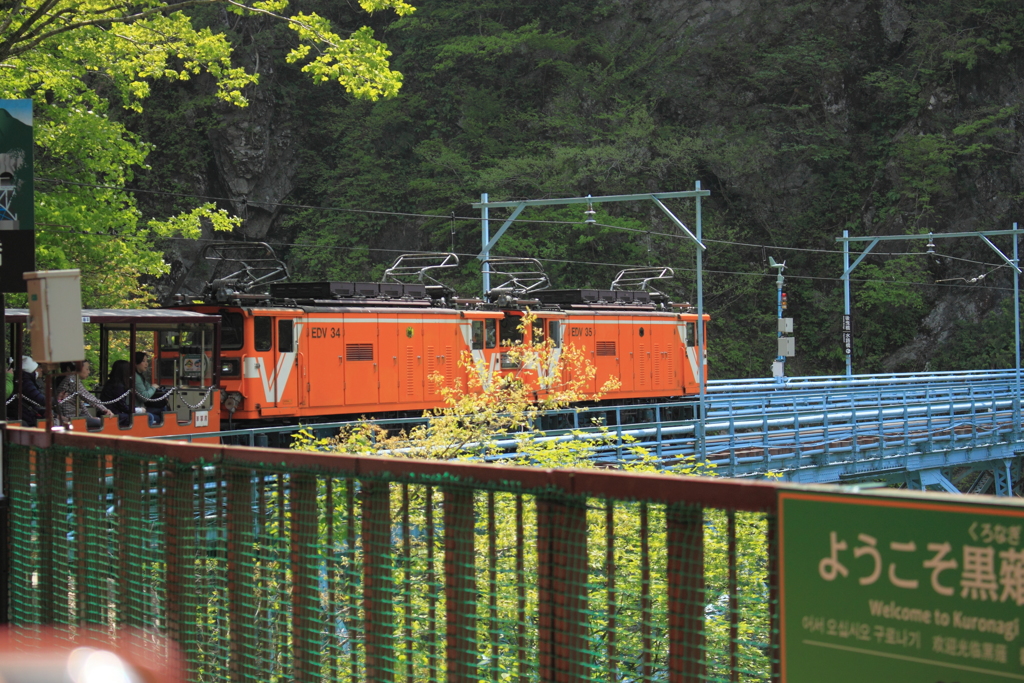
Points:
(116, 393)
(72, 397)
(145, 392)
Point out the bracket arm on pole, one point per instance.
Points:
(482, 256)
(1001, 254)
(678, 222)
(861, 257)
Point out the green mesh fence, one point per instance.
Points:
(268, 573)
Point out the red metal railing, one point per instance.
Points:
(271, 565)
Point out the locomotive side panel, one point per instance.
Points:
(433, 361)
(385, 361)
(605, 353)
(671, 351)
(579, 333)
(451, 347)
(387, 368)
(409, 349)
(640, 344)
(322, 359)
(644, 349)
(414, 357)
(360, 362)
(662, 348)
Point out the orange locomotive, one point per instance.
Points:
(309, 351)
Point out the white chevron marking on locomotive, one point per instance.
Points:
(276, 382)
(479, 359)
(690, 352)
(691, 355)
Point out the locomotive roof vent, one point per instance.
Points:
(596, 297)
(336, 292)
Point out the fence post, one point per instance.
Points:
(378, 582)
(179, 502)
(562, 590)
(244, 645)
(460, 584)
(306, 629)
(90, 535)
(131, 539)
(23, 497)
(685, 541)
(52, 492)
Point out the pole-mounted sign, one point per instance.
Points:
(17, 200)
(847, 335)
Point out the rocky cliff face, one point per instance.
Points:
(885, 104)
(256, 156)
(245, 157)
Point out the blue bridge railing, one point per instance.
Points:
(916, 429)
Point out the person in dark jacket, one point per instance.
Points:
(120, 381)
(33, 400)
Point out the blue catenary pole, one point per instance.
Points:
(1016, 337)
(701, 380)
(846, 302)
(778, 305)
(487, 239)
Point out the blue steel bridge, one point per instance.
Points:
(951, 431)
(954, 431)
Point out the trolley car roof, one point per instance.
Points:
(118, 318)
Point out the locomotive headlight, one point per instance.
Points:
(230, 367)
(232, 401)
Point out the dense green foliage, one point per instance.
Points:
(803, 119)
(86, 64)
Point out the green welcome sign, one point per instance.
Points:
(912, 588)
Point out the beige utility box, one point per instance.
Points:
(787, 346)
(55, 315)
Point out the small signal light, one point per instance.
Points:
(785, 303)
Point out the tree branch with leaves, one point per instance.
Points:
(81, 61)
